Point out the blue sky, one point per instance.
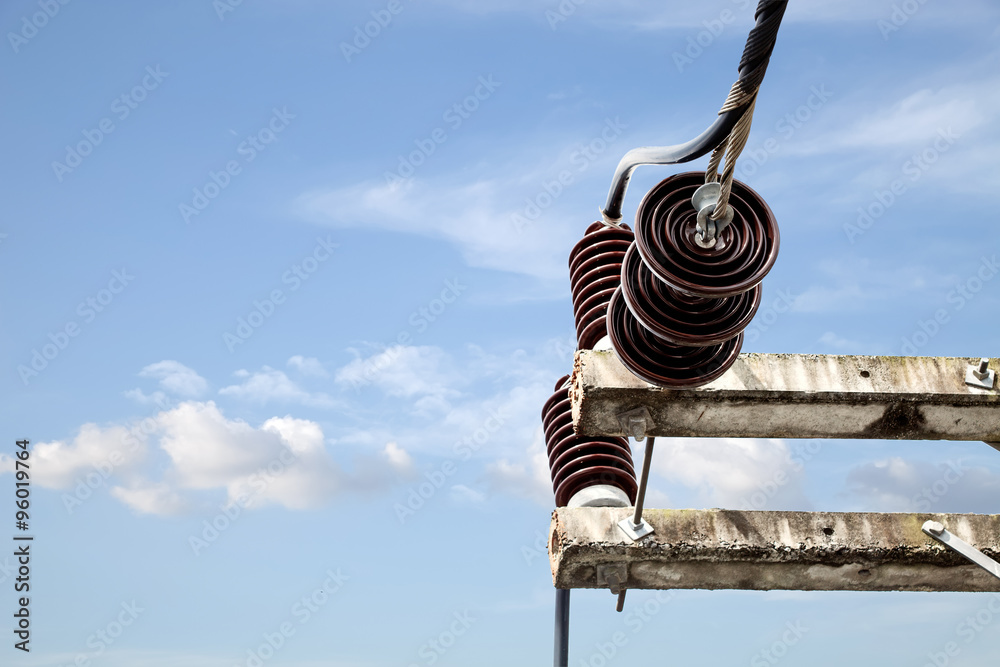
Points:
(261, 273)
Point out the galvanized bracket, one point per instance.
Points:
(635, 531)
(980, 376)
(937, 530)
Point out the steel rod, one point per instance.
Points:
(647, 458)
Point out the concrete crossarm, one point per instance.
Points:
(749, 550)
(796, 396)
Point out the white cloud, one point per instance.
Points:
(837, 342)
(283, 462)
(857, 284)
(308, 366)
(464, 495)
(269, 385)
(477, 219)
(527, 478)
(404, 371)
(146, 497)
(898, 485)
(94, 450)
(733, 473)
(156, 398)
(399, 459)
(176, 378)
(640, 15)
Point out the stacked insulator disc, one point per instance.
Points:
(577, 463)
(595, 269)
(677, 319)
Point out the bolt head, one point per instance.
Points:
(934, 527)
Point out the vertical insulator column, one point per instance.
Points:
(580, 463)
(595, 267)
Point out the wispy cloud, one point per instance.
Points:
(733, 472)
(474, 216)
(176, 378)
(269, 385)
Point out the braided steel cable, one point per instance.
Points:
(743, 94)
(753, 65)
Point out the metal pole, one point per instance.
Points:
(562, 628)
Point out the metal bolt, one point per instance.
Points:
(934, 527)
(983, 370)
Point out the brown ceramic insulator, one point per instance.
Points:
(679, 318)
(578, 462)
(596, 233)
(665, 229)
(595, 272)
(661, 363)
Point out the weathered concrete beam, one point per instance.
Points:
(796, 396)
(809, 551)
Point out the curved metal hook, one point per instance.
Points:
(704, 143)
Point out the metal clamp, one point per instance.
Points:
(634, 423)
(980, 376)
(937, 530)
(612, 576)
(704, 201)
